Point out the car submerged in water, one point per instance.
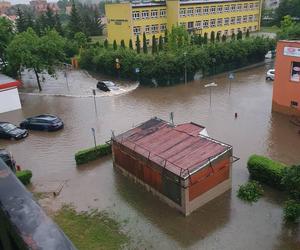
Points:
(107, 86)
(43, 123)
(11, 131)
(270, 75)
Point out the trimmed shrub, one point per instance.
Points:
(266, 171)
(24, 176)
(91, 154)
(291, 181)
(250, 191)
(291, 211)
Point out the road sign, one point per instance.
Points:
(213, 84)
(94, 92)
(231, 75)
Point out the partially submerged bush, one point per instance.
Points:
(291, 211)
(90, 154)
(24, 176)
(291, 181)
(266, 171)
(250, 191)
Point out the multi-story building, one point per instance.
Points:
(128, 19)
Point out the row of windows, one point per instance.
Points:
(150, 29)
(220, 22)
(145, 14)
(217, 9)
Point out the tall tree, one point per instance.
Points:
(232, 36)
(115, 46)
(96, 23)
(105, 43)
(6, 35)
(224, 38)
(160, 43)
(74, 24)
(20, 21)
(29, 22)
(123, 44)
(199, 39)
(212, 37)
(205, 38)
(239, 35)
(247, 33)
(138, 44)
(166, 36)
(145, 48)
(50, 20)
(130, 44)
(58, 26)
(154, 45)
(218, 37)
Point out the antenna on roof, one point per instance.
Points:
(172, 118)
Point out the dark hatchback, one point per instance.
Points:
(10, 131)
(43, 123)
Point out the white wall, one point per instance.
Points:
(9, 100)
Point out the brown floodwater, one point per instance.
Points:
(224, 223)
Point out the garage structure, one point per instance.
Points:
(180, 164)
(9, 95)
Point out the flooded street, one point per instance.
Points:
(224, 223)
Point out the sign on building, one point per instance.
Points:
(291, 51)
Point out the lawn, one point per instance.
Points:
(99, 39)
(90, 230)
(272, 29)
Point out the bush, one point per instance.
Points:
(266, 171)
(291, 211)
(24, 176)
(291, 181)
(90, 154)
(250, 191)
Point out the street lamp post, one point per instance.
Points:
(210, 86)
(66, 75)
(118, 66)
(185, 71)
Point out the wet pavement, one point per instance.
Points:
(224, 223)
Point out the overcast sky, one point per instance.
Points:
(25, 1)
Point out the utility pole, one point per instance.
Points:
(94, 94)
(185, 71)
(210, 86)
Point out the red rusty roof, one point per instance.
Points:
(7, 82)
(178, 148)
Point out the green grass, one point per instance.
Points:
(99, 39)
(90, 230)
(272, 29)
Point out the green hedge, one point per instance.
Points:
(24, 176)
(90, 154)
(266, 171)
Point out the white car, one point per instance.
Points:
(270, 74)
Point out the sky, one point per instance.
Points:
(24, 1)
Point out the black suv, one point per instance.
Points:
(43, 122)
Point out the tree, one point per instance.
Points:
(29, 22)
(50, 19)
(20, 21)
(166, 36)
(74, 24)
(218, 38)
(154, 45)
(36, 53)
(123, 44)
(130, 44)
(178, 38)
(57, 25)
(232, 36)
(247, 34)
(145, 49)
(212, 37)
(81, 39)
(105, 43)
(239, 35)
(97, 26)
(138, 44)
(287, 7)
(224, 38)
(115, 46)
(6, 35)
(205, 38)
(199, 39)
(160, 43)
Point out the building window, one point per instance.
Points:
(295, 72)
(232, 7)
(205, 23)
(250, 6)
(198, 11)
(205, 10)
(198, 24)
(212, 9)
(220, 22)
(182, 12)
(190, 11)
(183, 24)
(232, 20)
(250, 18)
(245, 6)
(226, 21)
(238, 19)
(294, 104)
(190, 25)
(163, 13)
(135, 15)
(154, 13)
(212, 23)
(256, 6)
(239, 7)
(145, 14)
(137, 30)
(220, 9)
(147, 29)
(163, 27)
(245, 19)
(154, 28)
(226, 8)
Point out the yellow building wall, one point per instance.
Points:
(172, 13)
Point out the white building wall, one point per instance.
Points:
(9, 100)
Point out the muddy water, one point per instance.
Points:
(224, 223)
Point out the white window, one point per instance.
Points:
(250, 18)
(135, 15)
(154, 13)
(250, 6)
(220, 9)
(163, 27)
(190, 11)
(198, 11)
(226, 21)
(245, 19)
(219, 22)
(205, 23)
(205, 10)
(212, 9)
(147, 29)
(239, 7)
(163, 13)
(238, 19)
(145, 14)
(137, 30)
(182, 12)
(154, 28)
(245, 6)
(190, 25)
(212, 23)
(198, 24)
(232, 20)
(226, 8)
(232, 7)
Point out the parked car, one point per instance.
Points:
(270, 74)
(10, 131)
(107, 86)
(8, 159)
(271, 54)
(43, 122)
